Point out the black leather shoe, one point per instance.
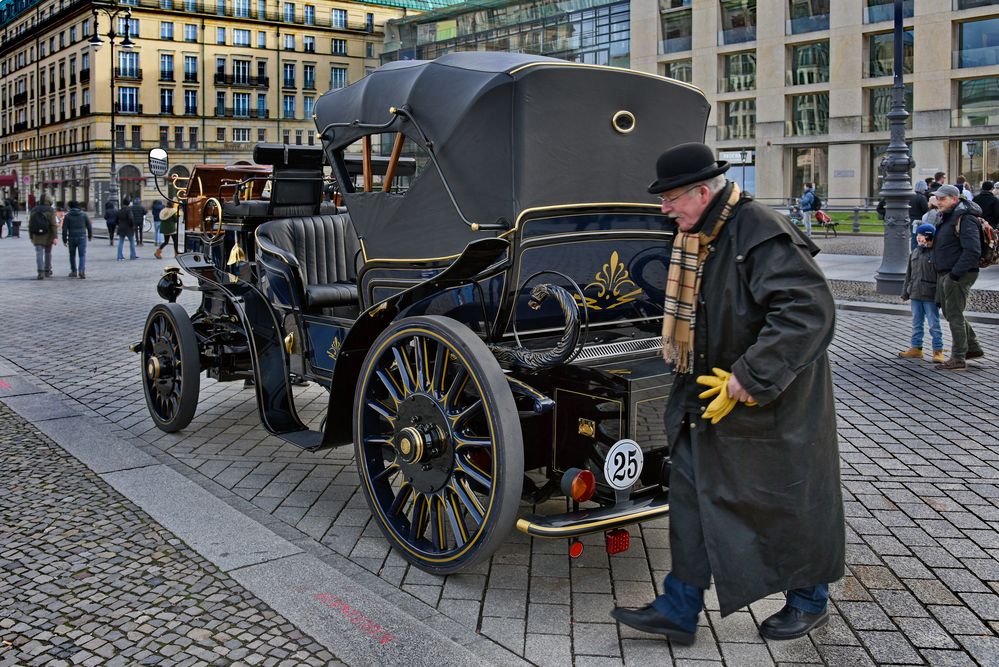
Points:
(977, 354)
(791, 623)
(647, 619)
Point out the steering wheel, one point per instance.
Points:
(212, 228)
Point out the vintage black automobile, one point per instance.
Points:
(488, 331)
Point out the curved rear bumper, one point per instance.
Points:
(596, 519)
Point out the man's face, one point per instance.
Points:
(686, 204)
(946, 202)
(942, 179)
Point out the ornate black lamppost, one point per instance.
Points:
(897, 186)
(113, 12)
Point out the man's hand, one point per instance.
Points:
(736, 391)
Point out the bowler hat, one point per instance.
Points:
(685, 164)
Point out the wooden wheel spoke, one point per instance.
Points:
(405, 370)
(454, 518)
(390, 386)
(472, 505)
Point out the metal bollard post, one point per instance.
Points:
(856, 220)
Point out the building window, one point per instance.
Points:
(261, 39)
(220, 65)
(739, 72)
(128, 65)
(369, 22)
(309, 76)
(131, 25)
(166, 100)
(191, 102)
(884, 10)
(879, 104)
(312, 137)
(261, 9)
(241, 71)
(809, 114)
(164, 136)
(241, 135)
(369, 50)
(972, 4)
(289, 12)
(738, 21)
(289, 75)
(677, 30)
(220, 7)
(220, 103)
(808, 16)
(166, 4)
(289, 42)
(738, 120)
(289, 106)
(298, 137)
(128, 99)
(119, 136)
(191, 6)
(978, 102)
(261, 71)
(241, 106)
(286, 136)
(979, 42)
(881, 48)
(681, 70)
(220, 135)
(308, 105)
(310, 15)
(261, 106)
(136, 136)
(338, 18)
(809, 164)
(178, 138)
(190, 69)
(166, 30)
(192, 138)
(240, 37)
(338, 78)
(86, 27)
(166, 67)
(241, 9)
(220, 35)
(261, 135)
(809, 64)
(338, 47)
(190, 32)
(309, 44)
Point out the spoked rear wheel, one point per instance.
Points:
(171, 368)
(438, 443)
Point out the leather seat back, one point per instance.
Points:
(324, 245)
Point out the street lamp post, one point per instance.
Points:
(897, 186)
(113, 12)
(744, 155)
(971, 146)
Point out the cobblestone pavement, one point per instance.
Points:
(86, 578)
(920, 472)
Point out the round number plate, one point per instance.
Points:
(623, 464)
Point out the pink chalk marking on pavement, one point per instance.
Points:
(356, 617)
(4, 385)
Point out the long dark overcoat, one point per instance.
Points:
(767, 477)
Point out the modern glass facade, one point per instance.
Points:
(978, 43)
(738, 21)
(978, 102)
(808, 16)
(587, 31)
(879, 104)
(884, 10)
(809, 64)
(739, 72)
(676, 18)
(681, 70)
(881, 54)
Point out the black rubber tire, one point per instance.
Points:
(169, 332)
(484, 444)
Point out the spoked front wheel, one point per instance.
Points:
(171, 367)
(438, 443)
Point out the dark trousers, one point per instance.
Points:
(166, 239)
(138, 232)
(111, 227)
(683, 589)
(953, 296)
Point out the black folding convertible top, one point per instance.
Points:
(511, 132)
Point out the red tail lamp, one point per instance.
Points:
(618, 540)
(579, 485)
(575, 548)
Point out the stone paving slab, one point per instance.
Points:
(920, 467)
(97, 445)
(41, 407)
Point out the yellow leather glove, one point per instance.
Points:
(718, 387)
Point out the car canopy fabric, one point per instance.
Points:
(511, 132)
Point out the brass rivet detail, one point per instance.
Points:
(623, 121)
(587, 427)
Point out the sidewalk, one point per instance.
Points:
(863, 268)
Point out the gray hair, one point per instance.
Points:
(715, 184)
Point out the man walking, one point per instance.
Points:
(989, 203)
(957, 249)
(110, 219)
(126, 229)
(76, 232)
(755, 498)
(138, 218)
(807, 205)
(43, 231)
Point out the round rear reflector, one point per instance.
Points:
(580, 485)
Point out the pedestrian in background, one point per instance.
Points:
(138, 218)
(920, 289)
(154, 211)
(989, 203)
(807, 205)
(918, 206)
(76, 232)
(168, 225)
(126, 229)
(8, 216)
(111, 219)
(962, 184)
(956, 252)
(939, 179)
(44, 232)
(755, 497)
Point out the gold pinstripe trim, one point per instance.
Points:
(525, 526)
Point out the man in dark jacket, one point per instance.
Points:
(111, 219)
(126, 229)
(44, 232)
(138, 217)
(957, 248)
(76, 232)
(154, 211)
(989, 203)
(755, 498)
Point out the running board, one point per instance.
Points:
(597, 519)
(307, 439)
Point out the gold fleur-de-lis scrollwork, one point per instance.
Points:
(334, 348)
(613, 286)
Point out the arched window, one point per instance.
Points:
(130, 182)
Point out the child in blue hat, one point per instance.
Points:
(920, 287)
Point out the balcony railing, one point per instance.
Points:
(85, 75)
(737, 82)
(983, 57)
(808, 24)
(975, 117)
(72, 79)
(737, 35)
(20, 127)
(20, 99)
(233, 112)
(62, 82)
(675, 44)
(288, 83)
(190, 77)
(166, 76)
(309, 85)
(726, 132)
(875, 13)
(128, 108)
(85, 110)
(189, 111)
(972, 4)
(128, 73)
(248, 81)
(41, 89)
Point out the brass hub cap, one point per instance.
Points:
(153, 368)
(411, 444)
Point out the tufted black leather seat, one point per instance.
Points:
(325, 247)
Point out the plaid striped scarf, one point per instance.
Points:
(683, 283)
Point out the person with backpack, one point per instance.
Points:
(44, 232)
(111, 219)
(76, 232)
(168, 225)
(809, 203)
(154, 211)
(126, 229)
(957, 250)
(989, 204)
